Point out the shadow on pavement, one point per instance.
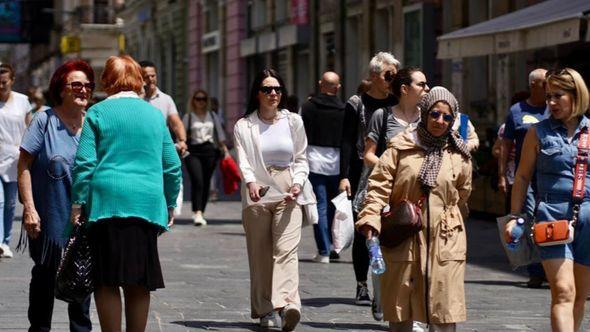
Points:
(345, 326)
(186, 221)
(319, 302)
(502, 283)
(222, 326)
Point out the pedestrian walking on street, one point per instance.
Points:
(359, 109)
(551, 149)
(323, 117)
(47, 155)
(15, 116)
(409, 85)
(164, 103)
(206, 139)
(126, 176)
(428, 163)
(521, 117)
(271, 145)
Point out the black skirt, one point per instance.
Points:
(126, 253)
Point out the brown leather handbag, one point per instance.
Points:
(401, 223)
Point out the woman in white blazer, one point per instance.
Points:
(271, 146)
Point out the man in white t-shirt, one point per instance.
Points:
(164, 103)
(15, 115)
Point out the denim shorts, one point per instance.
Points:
(578, 250)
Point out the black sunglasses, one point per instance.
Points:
(269, 89)
(389, 76)
(200, 98)
(436, 115)
(77, 86)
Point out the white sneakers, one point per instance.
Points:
(290, 316)
(5, 251)
(321, 259)
(198, 220)
(269, 320)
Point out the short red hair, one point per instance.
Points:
(58, 80)
(121, 73)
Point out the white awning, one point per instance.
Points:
(548, 23)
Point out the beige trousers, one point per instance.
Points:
(273, 232)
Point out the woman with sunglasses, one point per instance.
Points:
(550, 149)
(15, 115)
(47, 155)
(206, 139)
(271, 145)
(429, 163)
(408, 85)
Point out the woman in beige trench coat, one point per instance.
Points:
(428, 161)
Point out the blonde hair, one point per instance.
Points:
(572, 82)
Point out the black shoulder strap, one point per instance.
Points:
(382, 142)
(188, 127)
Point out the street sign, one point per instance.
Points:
(69, 44)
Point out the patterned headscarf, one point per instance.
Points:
(435, 145)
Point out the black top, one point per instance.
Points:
(323, 117)
(351, 133)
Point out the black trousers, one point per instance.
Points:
(360, 253)
(41, 299)
(200, 165)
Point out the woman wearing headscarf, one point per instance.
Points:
(47, 155)
(428, 163)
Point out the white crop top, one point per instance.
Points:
(276, 143)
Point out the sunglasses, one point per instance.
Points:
(389, 76)
(77, 86)
(269, 89)
(200, 98)
(551, 96)
(446, 117)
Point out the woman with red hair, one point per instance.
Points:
(127, 176)
(47, 154)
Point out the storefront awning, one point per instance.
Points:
(548, 23)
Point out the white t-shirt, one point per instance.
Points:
(202, 130)
(163, 102)
(12, 128)
(276, 143)
(323, 160)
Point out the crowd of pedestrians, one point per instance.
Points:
(114, 167)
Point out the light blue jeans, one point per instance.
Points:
(7, 205)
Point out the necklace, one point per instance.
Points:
(268, 120)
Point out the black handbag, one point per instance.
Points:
(75, 275)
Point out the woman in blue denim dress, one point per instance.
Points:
(550, 148)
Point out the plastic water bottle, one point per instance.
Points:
(377, 262)
(517, 232)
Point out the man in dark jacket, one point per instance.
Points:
(323, 117)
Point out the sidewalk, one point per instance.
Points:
(207, 284)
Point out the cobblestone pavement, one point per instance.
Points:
(206, 274)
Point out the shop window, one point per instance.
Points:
(382, 30)
(413, 35)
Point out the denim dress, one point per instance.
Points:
(555, 181)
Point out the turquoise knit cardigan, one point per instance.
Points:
(126, 164)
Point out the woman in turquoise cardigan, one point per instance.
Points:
(126, 175)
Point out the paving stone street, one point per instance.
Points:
(207, 284)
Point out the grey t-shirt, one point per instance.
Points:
(393, 126)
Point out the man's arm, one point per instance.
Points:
(175, 124)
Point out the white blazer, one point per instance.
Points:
(253, 168)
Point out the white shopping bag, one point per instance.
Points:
(179, 200)
(343, 223)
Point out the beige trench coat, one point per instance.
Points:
(403, 286)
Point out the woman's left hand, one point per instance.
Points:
(75, 215)
(294, 191)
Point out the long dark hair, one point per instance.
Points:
(253, 102)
